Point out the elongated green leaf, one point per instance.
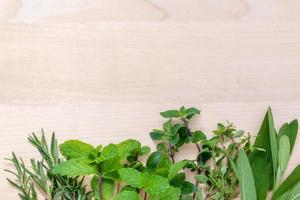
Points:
(293, 129)
(284, 152)
(267, 139)
(289, 183)
(245, 176)
(169, 113)
(273, 141)
(295, 192)
(259, 164)
(290, 130)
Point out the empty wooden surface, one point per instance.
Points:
(102, 70)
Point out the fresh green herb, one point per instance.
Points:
(227, 165)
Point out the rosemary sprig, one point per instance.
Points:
(53, 186)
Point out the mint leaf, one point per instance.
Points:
(108, 188)
(75, 149)
(109, 152)
(128, 146)
(128, 195)
(75, 167)
(174, 169)
(132, 176)
(154, 184)
(171, 193)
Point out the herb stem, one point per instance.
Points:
(100, 185)
(171, 153)
(145, 196)
(190, 132)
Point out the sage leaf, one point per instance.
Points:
(295, 192)
(288, 183)
(293, 129)
(267, 139)
(259, 165)
(284, 152)
(245, 176)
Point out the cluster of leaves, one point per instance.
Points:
(227, 165)
(41, 176)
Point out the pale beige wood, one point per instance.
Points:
(101, 71)
(148, 10)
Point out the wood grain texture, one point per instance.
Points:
(101, 71)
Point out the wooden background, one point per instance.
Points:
(102, 70)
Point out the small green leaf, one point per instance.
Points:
(174, 169)
(201, 178)
(188, 188)
(75, 149)
(153, 160)
(284, 152)
(75, 167)
(178, 180)
(198, 136)
(190, 112)
(238, 133)
(128, 195)
(144, 150)
(169, 114)
(132, 176)
(156, 135)
(245, 176)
